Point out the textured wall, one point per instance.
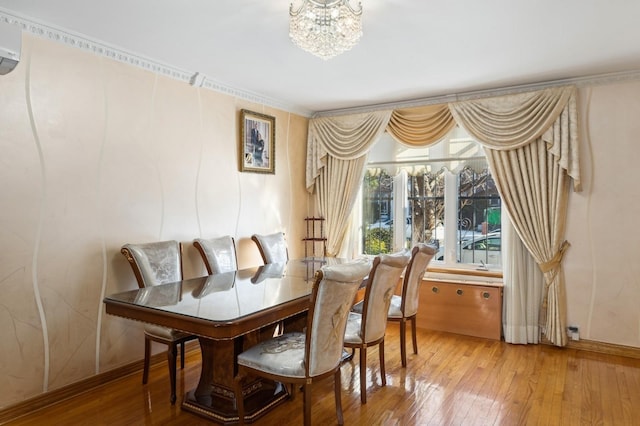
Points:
(95, 154)
(601, 266)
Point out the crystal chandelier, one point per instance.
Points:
(325, 28)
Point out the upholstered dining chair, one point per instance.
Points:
(405, 307)
(367, 327)
(302, 358)
(218, 254)
(273, 247)
(153, 264)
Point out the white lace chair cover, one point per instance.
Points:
(218, 254)
(405, 307)
(155, 264)
(420, 258)
(368, 328)
(380, 287)
(296, 357)
(273, 247)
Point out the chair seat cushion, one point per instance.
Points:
(354, 326)
(394, 307)
(159, 332)
(282, 355)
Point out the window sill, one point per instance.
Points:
(464, 275)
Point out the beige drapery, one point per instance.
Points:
(337, 150)
(420, 126)
(532, 146)
(532, 149)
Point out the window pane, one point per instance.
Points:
(426, 206)
(377, 194)
(478, 215)
(448, 185)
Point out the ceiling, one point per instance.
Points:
(410, 49)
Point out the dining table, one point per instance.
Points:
(228, 312)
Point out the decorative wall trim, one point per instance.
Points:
(196, 79)
(103, 49)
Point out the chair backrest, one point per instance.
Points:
(218, 254)
(421, 255)
(333, 294)
(155, 263)
(273, 247)
(383, 279)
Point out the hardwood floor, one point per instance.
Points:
(454, 380)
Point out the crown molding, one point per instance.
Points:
(96, 47)
(196, 79)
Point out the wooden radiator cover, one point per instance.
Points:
(470, 308)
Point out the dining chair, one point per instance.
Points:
(154, 264)
(218, 254)
(302, 358)
(273, 247)
(405, 306)
(367, 327)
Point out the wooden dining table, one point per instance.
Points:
(228, 312)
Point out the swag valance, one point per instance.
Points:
(531, 144)
(500, 123)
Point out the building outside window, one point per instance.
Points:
(443, 195)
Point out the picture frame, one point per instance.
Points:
(257, 142)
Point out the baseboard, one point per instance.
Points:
(52, 397)
(604, 348)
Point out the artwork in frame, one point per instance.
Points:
(257, 142)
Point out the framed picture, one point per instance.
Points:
(257, 142)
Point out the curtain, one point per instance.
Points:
(420, 126)
(337, 150)
(532, 148)
(523, 286)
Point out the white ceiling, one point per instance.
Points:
(411, 49)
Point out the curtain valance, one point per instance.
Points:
(420, 126)
(345, 137)
(513, 121)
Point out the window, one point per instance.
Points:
(445, 195)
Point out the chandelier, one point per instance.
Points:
(325, 28)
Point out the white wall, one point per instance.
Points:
(602, 268)
(95, 154)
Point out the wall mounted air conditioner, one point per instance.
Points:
(10, 43)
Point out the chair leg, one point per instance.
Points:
(363, 376)
(239, 398)
(413, 335)
(348, 357)
(307, 404)
(171, 360)
(337, 390)
(182, 356)
(292, 392)
(147, 355)
(382, 371)
(403, 341)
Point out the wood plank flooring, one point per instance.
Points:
(454, 380)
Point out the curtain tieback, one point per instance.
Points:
(556, 259)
